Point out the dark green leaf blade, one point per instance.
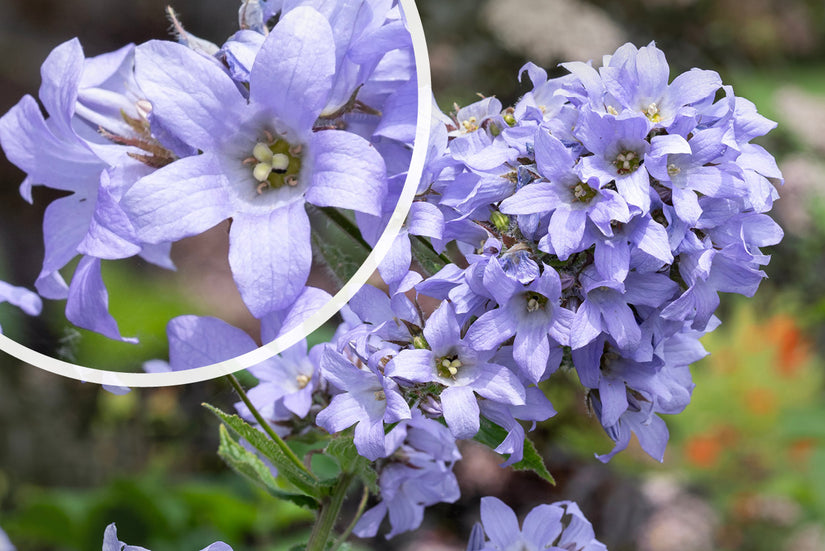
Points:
(491, 435)
(246, 463)
(300, 479)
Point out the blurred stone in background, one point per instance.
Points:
(546, 31)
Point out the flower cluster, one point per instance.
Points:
(590, 227)
(164, 140)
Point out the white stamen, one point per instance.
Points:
(279, 161)
(262, 152)
(261, 171)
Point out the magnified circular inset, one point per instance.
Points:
(197, 191)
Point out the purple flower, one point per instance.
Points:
(637, 80)
(557, 526)
(707, 170)
(419, 473)
(368, 401)
(606, 306)
(573, 202)
(112, 543)
(21, 297)
(93, 144)
(261, 159)
(453, 362)
(532, 313)
(5, 542)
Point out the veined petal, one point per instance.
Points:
(347, 172)
(500, 522)
(491, 329)
(343, 412)
(417, 366)
(531, 349)
(182, 199)
(190, 93)
(65, 224)
(61, 73)
(30, 144)
(614, 400)
(196, 341)
(292, 74)
(441, 330)
(270, 257)
(531, 199)
(542, 525)
(499, 384)
(460, 411)
(87, 305)
(369, 439)
(111, 235)
(553, 159)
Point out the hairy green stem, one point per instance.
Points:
(268, 429)
(358, 512)
(328, 514)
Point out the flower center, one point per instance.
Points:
(583, 192)
(303, 380)
(535, 301)
(277, 163)
(470, 125)
(626, 162)
(652, 113)
(673, 170)
(448, 366)
(380, 395)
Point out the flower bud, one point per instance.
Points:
(500, 220)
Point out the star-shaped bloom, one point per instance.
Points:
(261, 159)
(453, 362)
(572, 201)
(531, 313)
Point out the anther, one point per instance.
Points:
(262, 152)
(261, 171)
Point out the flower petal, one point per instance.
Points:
(460, 411)
(292, 74)
(189, 92)
(347, 172)
(182, 199)
(270, 257)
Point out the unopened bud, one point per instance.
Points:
(500, 220)
(420, 342)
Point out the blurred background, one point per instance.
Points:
(745, 467)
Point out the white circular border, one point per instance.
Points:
(172, 378)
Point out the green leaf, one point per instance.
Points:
(248, 464)
(429, 260)
(301, 479)
(491, 435)
(343, 450)
(337, 243)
